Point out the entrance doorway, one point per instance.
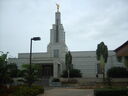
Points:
(47, 70)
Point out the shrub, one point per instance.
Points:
(28, 91)
(5, 91)
(117, 72)
(56, 80)
(111, 92)
(73, 73)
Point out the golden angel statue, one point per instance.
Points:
(57, 5)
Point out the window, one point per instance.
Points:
(56, 53)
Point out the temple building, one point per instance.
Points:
(53, 61)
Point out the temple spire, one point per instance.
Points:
(57, 15)
(58, 6)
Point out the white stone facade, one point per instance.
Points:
(85, 61)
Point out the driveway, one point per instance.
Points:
(68, 92)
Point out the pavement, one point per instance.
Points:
(68, 92)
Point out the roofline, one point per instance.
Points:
(121, 46)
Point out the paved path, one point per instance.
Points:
(68, 92)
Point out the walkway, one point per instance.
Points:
(68, 92)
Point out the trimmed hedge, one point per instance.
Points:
(73, 73)
(117, 72)
(111, 92)
(56, 80)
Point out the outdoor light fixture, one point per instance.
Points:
(30, 71)
(36, 38)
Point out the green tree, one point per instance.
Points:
(13, 70)
(117, 72)
(4, 74)
(68, 62)
(36, 73)
(102, 55)
(73, 73)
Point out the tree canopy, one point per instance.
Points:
(68, 61)
(102, 55)
(102, 50)
(5, 77)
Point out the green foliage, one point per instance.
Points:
(102, 50)
(5, 77)
(73, 73)
(36, 68)
(56, 80)
(111, 92)
(13, 70)
(28, 91)
(117, 72)
(102, 55)
(35, 73)
(68, 61)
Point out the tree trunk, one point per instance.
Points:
(68, 74)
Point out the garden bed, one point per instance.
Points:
(21, 90)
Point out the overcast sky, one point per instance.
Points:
(86, 23)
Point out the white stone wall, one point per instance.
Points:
(86, 62)
(34, 55)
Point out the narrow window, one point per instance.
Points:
(56, 53)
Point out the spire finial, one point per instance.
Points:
(58, 6)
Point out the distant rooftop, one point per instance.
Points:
(120, 47)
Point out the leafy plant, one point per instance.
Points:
(73, 73)
(35, 73)
(5, 77)
(117, 72)
(13, 70)
(68, 61)
(56, 80)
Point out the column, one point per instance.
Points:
(55, 73)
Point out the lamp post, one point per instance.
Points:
(30, 70)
